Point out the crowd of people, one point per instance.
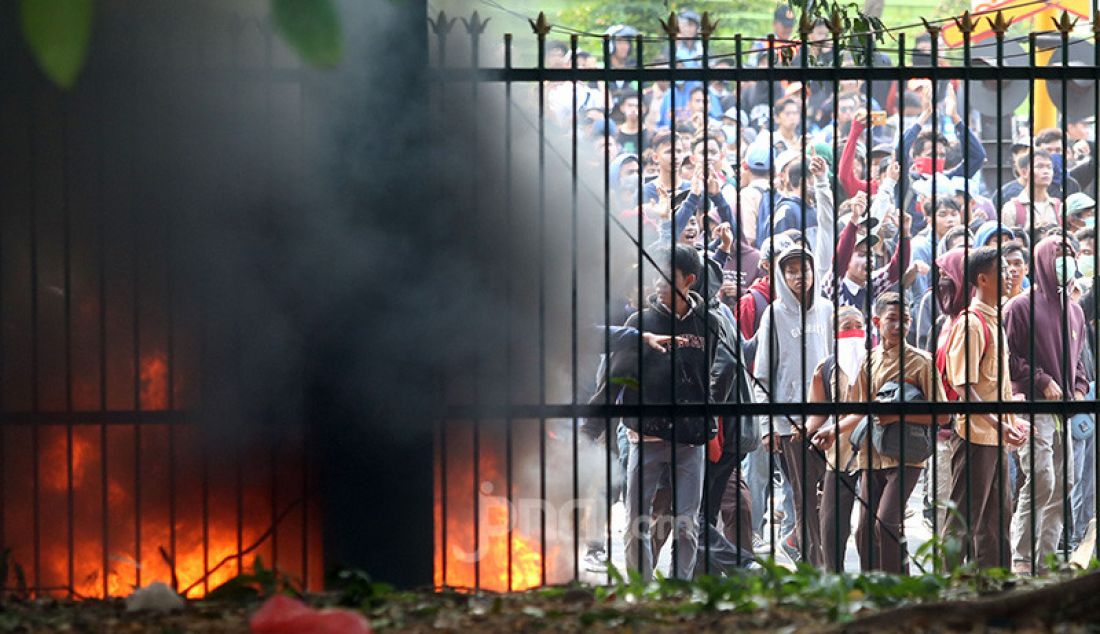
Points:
(852, 251)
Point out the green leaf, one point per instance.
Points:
(312, 28)
(58, 32)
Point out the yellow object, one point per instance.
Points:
(1046, 115)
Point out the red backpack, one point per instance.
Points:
(941, 353)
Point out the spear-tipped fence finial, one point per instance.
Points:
(441, 25)
(475, 25)
(1064, 24)
(706, 27)
(999, 24)
(541, 26)
(671, 26)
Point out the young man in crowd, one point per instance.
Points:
(1016, 262)
(885, 483)
(1048, 209)
(977, 363)
(673, 309)
(1054, 373)
(794, 333)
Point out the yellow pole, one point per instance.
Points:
(1046, 115)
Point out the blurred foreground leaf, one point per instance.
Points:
(310, 27)
(58, 32)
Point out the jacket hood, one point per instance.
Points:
(1046, 282)
(784, 296)
(985, 233)
(656, 305)
(951, 266)
(616, 166)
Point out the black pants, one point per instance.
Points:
(806, 517)
(838, 495)
(726, 494)
(880, 537)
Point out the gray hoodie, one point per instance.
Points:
(786, 382)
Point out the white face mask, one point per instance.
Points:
(1086, 265)
(850, 353)
(1065, 269)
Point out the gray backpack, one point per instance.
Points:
(887, 439)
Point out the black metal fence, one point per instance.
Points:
(861, 216)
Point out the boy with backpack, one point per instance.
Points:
(887, 475)
(973, 360)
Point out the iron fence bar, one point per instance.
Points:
(903, 326)
(967, 474)
(1067, 388)
(32, 183)
(1092, 330)
(507, 301)
(542, 292)
(607, 291)
(641, 316)
(673, 235)
(803, 129)
(1001, 467)
(705, 524)
(1031, 310)
(838, 547)
(101, 266)
(473, 28)
(66, 211)
(574, 386)
(441, 27)
(934, 73)
(739, 279)
(875, 502)
(772, 351)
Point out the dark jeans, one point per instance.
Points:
(838, 495)
(978, 506)
(881, 540)
(806, 516)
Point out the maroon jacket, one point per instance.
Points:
(1046, 332)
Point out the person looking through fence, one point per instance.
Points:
(887, 480)
(831, 383)
(699, 332)
(1055, 372)
(976, 360)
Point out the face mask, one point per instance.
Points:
(628, 186)
(1086, 264)
(730, 131)
(851, 350)
(1065, 269)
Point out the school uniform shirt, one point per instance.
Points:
(971, 360)
(886, 366)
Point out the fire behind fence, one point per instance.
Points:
(861, 241)
(112, 476)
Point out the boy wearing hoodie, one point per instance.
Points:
(673, 310)
(795, 332)
(1055, 372)
(979, 458)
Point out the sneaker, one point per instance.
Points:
(595, 560)
(790, 547)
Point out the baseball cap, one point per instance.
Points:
(786, 157)
(773, 245)
(784, 15)
(758, 157)
(882, 149)
(944, 186)
(690, 15)
(1079, 202)
(1021, 142)
(794, 251)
